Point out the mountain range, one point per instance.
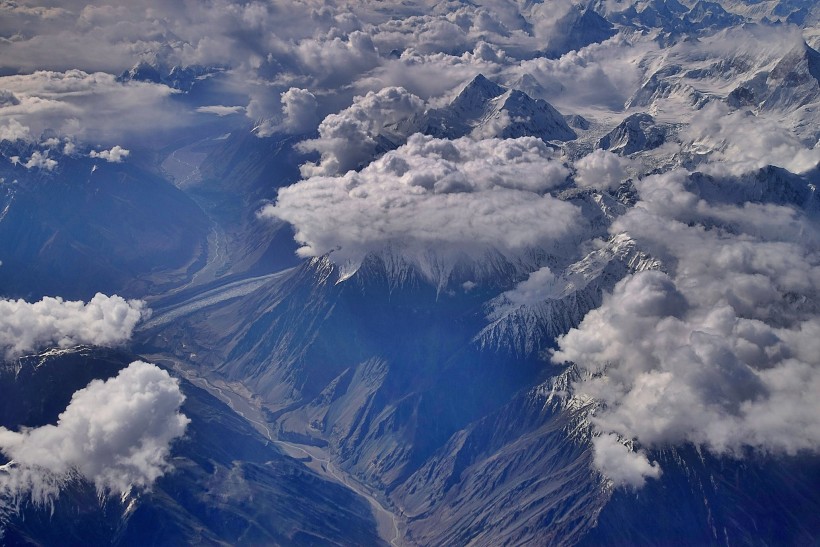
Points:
(467, 274)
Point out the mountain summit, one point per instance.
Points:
(484, 108)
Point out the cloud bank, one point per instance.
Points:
(454, 199)
(91, 107)
(722, 349)
(116, 434)
(103, 321)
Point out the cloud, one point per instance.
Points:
(91, 107)
(733, 143)
(299, 113)
(299, 108)
(599, 76)
(720, 350)
(428, 75)
(337, 58)
(622, 465)
(334, 49)
(350, 138)
(548, 19)
(103, 321)
(221, 110)
(40, 160)
(601, 169)
(12, 130)
(538, 287)
(116, 434)
(433, 197)
(116, 155)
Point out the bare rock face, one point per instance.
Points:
(490, 110)
(636, 133)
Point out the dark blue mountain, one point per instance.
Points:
(229, 484)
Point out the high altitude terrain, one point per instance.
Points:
(417, 273)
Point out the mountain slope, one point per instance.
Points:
(91, 226)
(487, 109)
(229, 484)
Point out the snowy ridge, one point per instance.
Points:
(527, 329)
(768, 73)
(182, 78)
(486, 109)
(792, 83)
(636, 133)
(769, 184)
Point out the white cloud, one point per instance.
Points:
(737, 304)
(220, 110)
(738, 142)
(601, 169)
(115, 155)
(720, 351)
(451, 199)
(539, 286)
(334, 49)
(40, 160)
(349, 138)
(299, 113)
(428, 75)
(592, 81)
(104, 321)
(116, 434)
(548, 19)
(91, 107)
(12, 130)
(336, 59)
(299, 109)
(622, 465)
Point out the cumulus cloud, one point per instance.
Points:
(730, 324)
(299, 113)
(335, 49)
(40, 160)
(299, 109)
(432, 76)
(433, 197)
(116, 434)
(115, 155)
(12, 130)
(337, 58)
(601, 169)
(104, 321)
(621, 464)
(351, 137)
(718, 351)
(548, 19)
